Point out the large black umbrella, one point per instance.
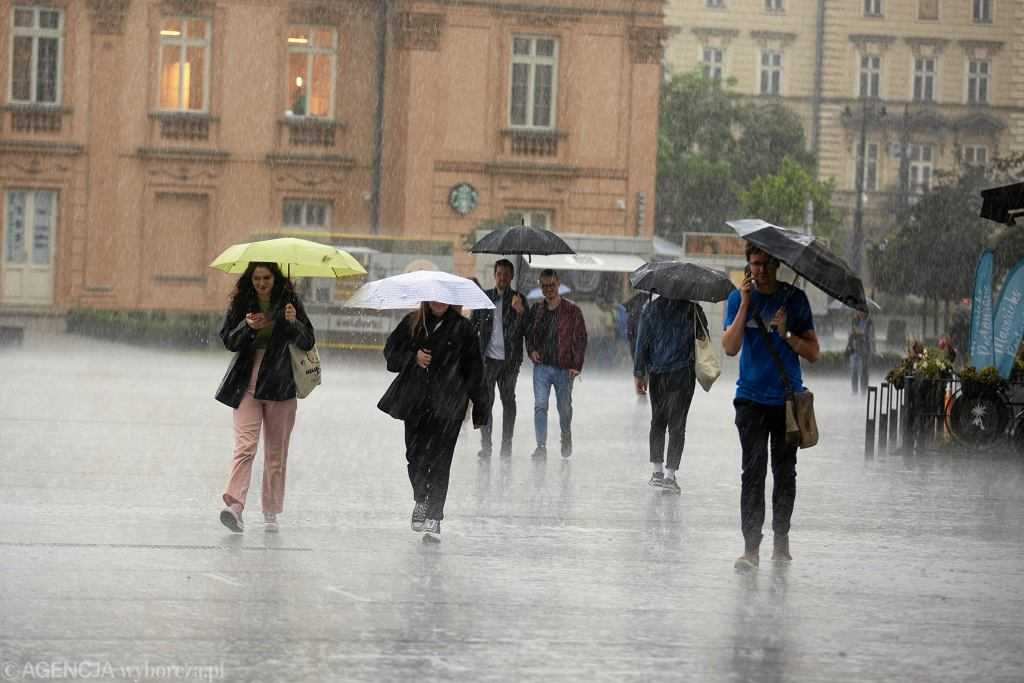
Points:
(521, 240)
(807, 257)
(1003, 204)
(679, 280)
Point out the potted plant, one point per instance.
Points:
(976, 383)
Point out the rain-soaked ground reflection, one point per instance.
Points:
(907, 567)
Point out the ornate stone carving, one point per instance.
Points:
(183, 172)
(647, 44)
(33, 165)
(871, 43)
(714, 37)
(772, 39)
(108, 16)
(926, 47)
(311, 178)
(317, 14)
(190, 8)
(981, 49)
(538, 16)
(418, 30)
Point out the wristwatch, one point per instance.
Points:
(788, 334)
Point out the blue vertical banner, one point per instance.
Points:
(1008, 328)
(982, 315)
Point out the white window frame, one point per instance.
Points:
(773, 70)
(30, 227)
(529, 217)
(979, 82)
(774, 6)
(713, 68)
(969, 155)
(923, 80)
(305, 206)
(982, 11)
(311, 52)
(183, 42)
(871, 168)
(922, 167)
(533, 61)
(873, 73)
(873, 8)
(35, 32)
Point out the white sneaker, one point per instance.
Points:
(270, 523)
(231, 518)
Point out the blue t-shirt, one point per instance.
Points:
(759, 379)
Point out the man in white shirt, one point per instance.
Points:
(501, 343)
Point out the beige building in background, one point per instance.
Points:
(948, 73)
(138, 138)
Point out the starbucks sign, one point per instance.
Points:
(463, 198)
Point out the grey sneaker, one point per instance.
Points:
(419, 516)
(780, 552)
(657, 479)
(484, 452)
(540, 452)
(270, 525)
(566, 446)
(746, 562)
(432, 530)
(231, 519)
(669, 485)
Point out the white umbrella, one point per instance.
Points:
(408, 290)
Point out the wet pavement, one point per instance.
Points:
(113, 565)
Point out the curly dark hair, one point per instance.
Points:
(244, 293)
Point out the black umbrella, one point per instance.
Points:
(807, 257)
(521, 240)
(679, 280)
(1003, 204)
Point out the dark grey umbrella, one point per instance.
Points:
(807, 257)
(1003, 204)
(679, 280)
(521, 240)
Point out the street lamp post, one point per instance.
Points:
(857, 238)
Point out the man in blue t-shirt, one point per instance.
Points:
(761, 396)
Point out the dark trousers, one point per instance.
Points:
(429, 448)
(671, 393)
(760, 425)
(504, 375)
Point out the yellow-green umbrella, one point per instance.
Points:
(296, 258)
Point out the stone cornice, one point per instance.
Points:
(325, 13)
(713, 32)
(980, 48)
(183, 154)
(306, 160)
(532, 169)
(187, 8)
(862, 40)
(765, 37)
(917, 44)
(64, 149)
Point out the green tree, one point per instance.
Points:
(712, 144)
(782, 197)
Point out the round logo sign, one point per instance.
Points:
(463, 198)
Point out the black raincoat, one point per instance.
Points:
(275, 381)
(455, 374)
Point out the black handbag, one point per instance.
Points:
(406, 393)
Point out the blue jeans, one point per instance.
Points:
(544, 377)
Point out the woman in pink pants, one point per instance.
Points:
(264, 317)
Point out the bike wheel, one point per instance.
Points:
(978, 420)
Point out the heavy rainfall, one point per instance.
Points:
(597, 340)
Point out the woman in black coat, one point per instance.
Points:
(437, 356)
(264, 317)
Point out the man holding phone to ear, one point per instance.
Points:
(760, 394)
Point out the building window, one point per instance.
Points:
(185, 64)
(312, 70)
(982, 11)
(974, 155)
(872, 8)
(712, 63)
(773, 5)
(924, 79)
(36, 51)
(920, 168)
(771, 72)
(978, 74)
(714, 4)
(870, 167)
(532, 218)
(30, 226)
(307, 214)
(928, 10)
(870, 75)
(534, 70)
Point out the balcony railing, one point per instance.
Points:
(532, 143)
(34, 119)
(304, 131)
(182, 126)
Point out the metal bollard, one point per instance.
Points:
(884, 389)
(870, 422)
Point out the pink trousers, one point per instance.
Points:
(277, 419)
